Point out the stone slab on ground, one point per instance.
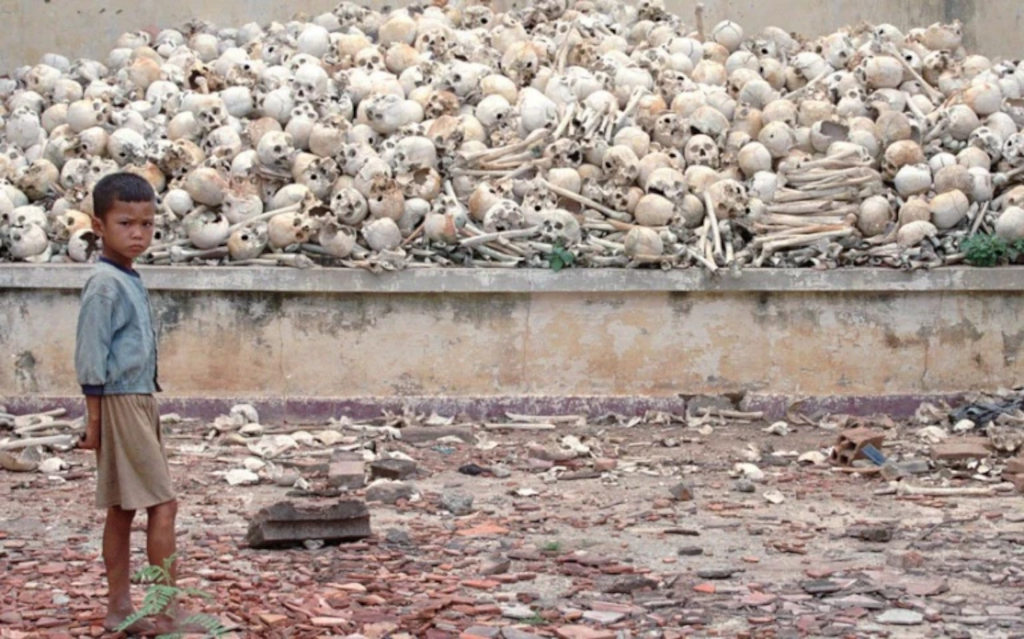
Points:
(286, 524)
(962, 448)
(392, 469)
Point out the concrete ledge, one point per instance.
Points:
(491, 281)
(472, 333)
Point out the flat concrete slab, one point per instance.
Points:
(285, 524)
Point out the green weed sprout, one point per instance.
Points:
(161, 595)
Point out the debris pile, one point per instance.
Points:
(590, 134)
(711, 521)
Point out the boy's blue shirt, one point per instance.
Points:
(115, 344)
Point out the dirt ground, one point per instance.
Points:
(627, 528)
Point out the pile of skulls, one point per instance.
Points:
(610, 135)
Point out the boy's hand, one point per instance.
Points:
(89, 441)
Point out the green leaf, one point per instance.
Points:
(560, 258)
(160, 595)
(986, 250)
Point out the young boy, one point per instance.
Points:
(115, 358)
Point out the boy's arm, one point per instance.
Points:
(92, 346)
(91, 441)
(92, 342)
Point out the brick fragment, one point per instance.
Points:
(392, 469)
(346, 471)
(961, 448)
(1015, 466)
(851, 442)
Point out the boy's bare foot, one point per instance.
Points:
(178, 622)
(141, 627)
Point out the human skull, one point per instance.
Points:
(382, 234)
(310, 82)
(988, 141)
(413, 153)
(39, 179)
(126, 146)
(222, 142)
(701, 149)
(503, 215)
(729, 198)
(565, 152)
(287, 229)
(240, 205)
(205, 228)
(348, 206)
(337, 241)
(83, 245)
(559, 226)
(1013, 150)
(641, 241)
(318, 175)
(620, 165)
(28, 243)
(275, 149)
(23, 128)
(25, 215)
(248, 242)
(666, 181)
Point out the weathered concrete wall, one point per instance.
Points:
(77, 28)
(235, 332)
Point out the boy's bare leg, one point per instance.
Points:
(117, 559)
(161, 544)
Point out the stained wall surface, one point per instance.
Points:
(86, 28)
(336, 333)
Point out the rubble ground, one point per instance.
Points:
(667, 526)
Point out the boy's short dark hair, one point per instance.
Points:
(119, 187)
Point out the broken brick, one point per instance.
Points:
(346, 471)
(1015, 466)
(960, 449)
(392, 469)
(851, 442)
(284, 524)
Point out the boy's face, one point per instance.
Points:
(127, 230)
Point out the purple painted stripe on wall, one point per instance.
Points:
(319, 410)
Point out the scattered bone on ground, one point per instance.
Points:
(712, 523)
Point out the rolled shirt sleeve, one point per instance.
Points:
(92, 342)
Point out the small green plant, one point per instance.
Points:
(161, 596)
(552, 546)
(535, 620)
(560, 257)
(991, 250)
(984, 250)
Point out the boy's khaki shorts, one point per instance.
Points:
(131, 464)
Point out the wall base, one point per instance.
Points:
(300, 410)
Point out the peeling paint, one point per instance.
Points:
(1012, 346)
(25, 372)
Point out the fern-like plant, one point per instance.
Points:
(161, 596)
